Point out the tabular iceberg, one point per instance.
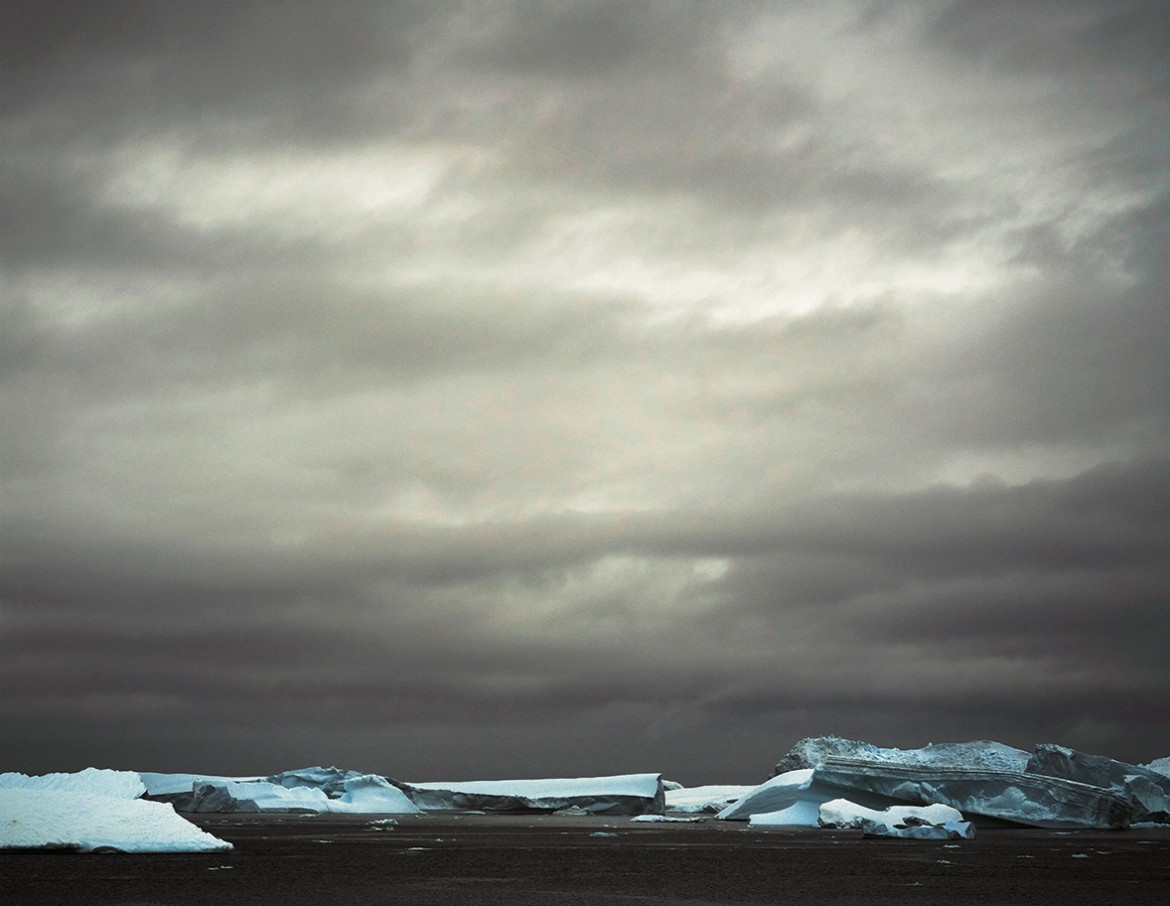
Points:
(56, 819)
(626, 794)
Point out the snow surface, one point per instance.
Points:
(799, 814)
(638, 785)
(689, 800)
(39, 818)
(918, 822)
(95, 781)
(371, 794)
(791, 789)
(842, 813)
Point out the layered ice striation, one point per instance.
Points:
(1147, 791)
(985, 779)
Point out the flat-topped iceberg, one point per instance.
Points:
(66, 819)
(624, 794)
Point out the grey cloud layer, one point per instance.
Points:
(628, 377)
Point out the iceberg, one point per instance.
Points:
(929, 822)
(796, 795)
(230, 796)
(177, 789)
(95, 781)
(1158, 766)
(626, 794)
(1014, 796)
(983, 754)
(66, 819)
(369, 794)
(1146, 790)
(703, 799)
(330, 781)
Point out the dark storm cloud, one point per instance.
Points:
(538, 388)
(108, 67)
(1060, 37)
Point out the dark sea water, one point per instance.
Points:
(550, 860)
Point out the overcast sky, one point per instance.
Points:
(496, 389)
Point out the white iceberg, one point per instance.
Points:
(369, 794)
(918, 822)
(624, 794)
(65, 819)
(703, 799)
(95, 781)
(796, 793)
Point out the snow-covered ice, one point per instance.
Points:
(371, 794)
(32, 818)
(792, 792)
(95, 781)
(692, 800)
(799, 814)
(921, 822)
(667, 819)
